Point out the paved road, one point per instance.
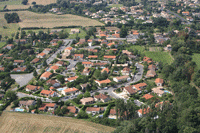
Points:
(184, 20)
(20, 95)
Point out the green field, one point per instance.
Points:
(82, 33)
(159, 56)
(139, 48)
(11, 2)
(2, 44)
(196, 59)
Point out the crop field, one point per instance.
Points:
(155, 48)
(12, 122)
(42, 2)
(196, 59)
(159, 56)
(48, 20)
(13, 4)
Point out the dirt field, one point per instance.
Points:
(30, 19)
(42, 2)
(12, 122)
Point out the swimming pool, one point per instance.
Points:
(60, 89)
(19, 110)
(166, 91)
(47, 69)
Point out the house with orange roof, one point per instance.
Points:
(102, 97)
(46, 51)
(112, 114)
(129, 90)
(46, 75)
(126, 71)
(53, 83)
(41, 55)
(152, 67)
(105, 69)
(186, 13)
(110, 44)
(19, 69)
(2, 69)
(78, 56)
(87, 64)
(106, 81)
(139, 86)
(116, 35)
(33, 88)
(143, 112)
(92, 56)
(1, 54)
(48, 93)
(68, 49)
(60, 63)
(18, 62)
(9, 46)
(159, 82)
(109, 57)
(36, 60)
(86, 71)
(148, 96)
(71, 79)
(94, 110)
(147, 59)
(69, 91)
(159, 91)
(51, 106)
(151, 73)
(54, 68)
(121, 78)
(54, 44)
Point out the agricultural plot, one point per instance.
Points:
(42, 2)
(139, 48)
(48, 20)
(32, 123)
(13, 4)
(159, 56)
(196, 59)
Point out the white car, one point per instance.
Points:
(105, 88)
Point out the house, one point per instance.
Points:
(186, 13)
(53, 83)
(86, 101)
(9, 46)
(27, 103)
(150, 74)
(81, 41)
(159, 91)
(21, 41)
(152, 67)
(54, 68)
(83, 86)
(60, 63)
(147, 96)
(112, 114)
(18, 62)
(107, 81)
(126, 71)
(106, 70)
(48, 93)
(109, 57)
(110, 44)
(87, 64)
(159, 82)
(143, 112)
(129, 90)
(121, 78)
(46, 75)
(126, 52)
(2, 69)
(69, 91)
(86, 71)
(72, 109)
(51, 106)
(46, 51)
(78, 56)
(139, 86)
(74, 31)
(168, 48)
(101, 97)
(36, 60)
(1, 96)
(68, 49)
(94, 110)
(19, 69)
(93, 56)
(54, 44)
(90, 41)
(71, 79)
(147, 59)
(33, 88)
(41, 55)
(99, 64)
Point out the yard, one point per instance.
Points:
(196, 59)
(22, 122)
(159, 56)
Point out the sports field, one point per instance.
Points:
(12, 122)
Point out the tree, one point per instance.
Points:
(123, 32)
(35, 74)
(82, 115)
(87, 37)
(33, 3)
(11, 95)
(61, 78)
(24, 2)
(6, 37)
(0, 37)
(87, 94)
(44, 63)
(39, 102)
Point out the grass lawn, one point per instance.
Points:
(160, 56)
(11, 2)
(2, 44)
(82, 33)
(13, 122)
(139, 48)
(196, 59)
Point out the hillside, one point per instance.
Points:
(12, 122)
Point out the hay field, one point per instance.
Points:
(42, 2)
(14, 4)
(12, 122)
(48, 20)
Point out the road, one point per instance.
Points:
(20, 95)
(182, 19)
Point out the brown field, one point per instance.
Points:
(11, 7)
(12, 122)
(42, 2)
(48, 20)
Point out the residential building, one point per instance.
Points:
(150, 74)
(33, 88)
(109, 57)
(53, 83)
(83, 86)
(69, 91)
(41, 55)
(129, 90)
(74, 31)
(86, 101)
(147, 59)
(147, 96)
(101, 97)
(126, 71)
(48, 93)
(143, 112)
(19, 69)
(86, 71)
(121, 78)
(107, 81)
(60, 63)
(68, 49)
(92, 56)
(152, 67)
(78, 56)
(46, 75)
(27, 104)
(9, 46)
(105, 69)
(18, 62)
(112, 114)
(46, 51)
(139, 86)
(51, 106)
(159, 82)
(94, 110)
(54, 68)
(71, 79)
(87, 64)
(72, 109)
(36, 60)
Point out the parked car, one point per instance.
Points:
(105, 88)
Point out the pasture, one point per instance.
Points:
(13, 4)
(13, 122)
(196, 59)
(159, 56)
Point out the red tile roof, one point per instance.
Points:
(159, 80)
(147, 96)
(110, 56)
(46, 74)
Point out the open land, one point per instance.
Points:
(196, 59)
(13, 4)
(42, 2)
(160, 56)
(31, 123)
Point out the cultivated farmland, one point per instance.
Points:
(42, 2)
(48, 20)
(13, 4)
(12, 122)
